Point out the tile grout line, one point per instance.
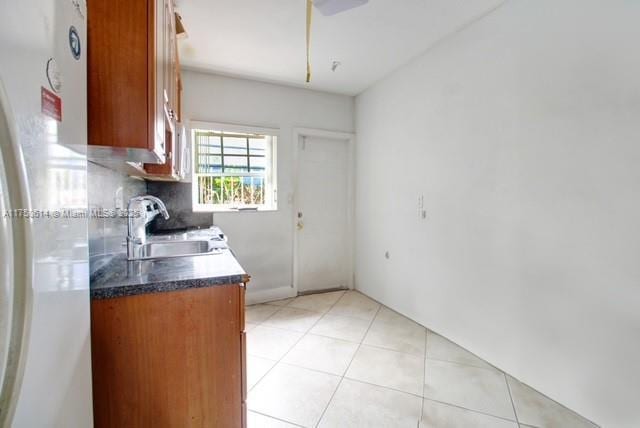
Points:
(424, 375)
(360, 344)
(323, 313)
(350, 362)
(292, 346)
(513, 405)
(438, 334)
(470, 410)
(487, 368)
(354, 342)
(276, 361)
(490, 368)
(440, 360)
(277, 419)
(326, 313)
(380, 306)
(364, 382)
(407, 393)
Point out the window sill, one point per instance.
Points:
(234, 210)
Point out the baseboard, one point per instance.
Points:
(323, 290)
(260, 296)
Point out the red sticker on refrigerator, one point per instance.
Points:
(51, 104)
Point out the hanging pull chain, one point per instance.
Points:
(309, 13)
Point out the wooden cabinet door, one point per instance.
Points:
(126, 69)
(170, 359)
(166, 58)
(170, 65)
(158, 57)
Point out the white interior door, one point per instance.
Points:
(323, 243)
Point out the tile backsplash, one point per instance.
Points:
(177, 198)
(107, 190)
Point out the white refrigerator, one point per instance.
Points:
(45, 353)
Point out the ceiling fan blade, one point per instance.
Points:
(332, 7)
(309, 14)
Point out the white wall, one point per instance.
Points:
(263, 241)
(523, 133)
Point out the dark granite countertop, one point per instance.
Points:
(118, 277)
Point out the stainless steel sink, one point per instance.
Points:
(141, 246)
(163, 249)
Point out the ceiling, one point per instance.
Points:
(265, 39)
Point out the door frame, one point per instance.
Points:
(350, 140)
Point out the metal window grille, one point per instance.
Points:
(232, 170)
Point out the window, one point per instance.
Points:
(233, 170)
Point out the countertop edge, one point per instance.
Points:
(166, 286)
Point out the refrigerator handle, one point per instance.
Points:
(16, 293)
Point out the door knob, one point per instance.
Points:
(300, 225)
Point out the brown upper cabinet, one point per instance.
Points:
(172, 87)
(133, 77)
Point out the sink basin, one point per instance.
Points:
(171, 237)
(162, 249)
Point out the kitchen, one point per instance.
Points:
(203, 223)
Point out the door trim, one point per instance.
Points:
(350, 139)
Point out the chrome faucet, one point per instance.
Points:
(149, 207)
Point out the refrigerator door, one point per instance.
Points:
(43, 70)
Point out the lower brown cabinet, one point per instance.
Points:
(170, 359)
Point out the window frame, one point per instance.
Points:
(270, 174)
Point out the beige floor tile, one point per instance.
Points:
(398, 335)
(293, 319)
(438, 415)
(250, 326)
(257, 367)
(318, 336)
(293, 394)
(392, 317)
(255, 314)
(256, 420)
(270, 343)
(322, 353)
(470, 387)
(357, 305)
(339, 327)
(535, 409)
(439, 348)
(358, 404)
(316, 302)
(387, 368)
